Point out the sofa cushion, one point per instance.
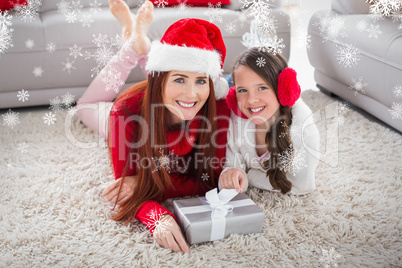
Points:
(350, 6)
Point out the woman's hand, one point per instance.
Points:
(168, 234)
(233, 178)
(126, 191)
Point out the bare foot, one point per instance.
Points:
(121, 11)
(139, 39)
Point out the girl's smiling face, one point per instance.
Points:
(256, 99)
(185, 94)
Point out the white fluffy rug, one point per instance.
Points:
(52, 214)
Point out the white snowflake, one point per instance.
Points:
(154, 221)
(292, 161)
(183, 8)
(95, 6)
(72, 110)
(384, 7)
(266, 25)
(112, 78)
(29, 44)
(49, 118)
(260, 62)
(51, 47)
(76, 6)
(68, 99)
(348, 56)
(22, 147)
(396, 110)
(75, 51)
(68, 65)
(23, 95)
(374, 31)
(105, 50)
(397, 91)
(86, 20)
(63, 7)
(295, 131)
(161, 3)
(164, 161)
(342, 108)
(340, 120)
(56, 104)
(331, 27)
(329, 257)
(230, 28)
(358, 86)
(6, 40)
(361, 25)
(273, 46)
(303, 40)
(205, 176)
(256, 8)
(215, 12)
(242, 18)
(29, 12)
(11, 118)
(71, 17)
(38, 71)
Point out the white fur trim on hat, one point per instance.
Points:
(165, 58)
(221, 87)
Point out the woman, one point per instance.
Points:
(163, 134)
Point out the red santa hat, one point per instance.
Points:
(192, 45)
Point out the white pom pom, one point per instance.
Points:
(221, 87)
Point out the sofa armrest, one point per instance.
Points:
(350, 6)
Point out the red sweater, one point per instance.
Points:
(124, 118)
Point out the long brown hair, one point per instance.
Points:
(277, 138)
(152, 185)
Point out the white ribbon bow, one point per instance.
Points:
(219, 210)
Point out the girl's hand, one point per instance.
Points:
(126, 192)
(168, 234)
(233, 179)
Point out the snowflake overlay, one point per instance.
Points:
(38, 71)
(23, 147)
(331, 27)
(29, 44)
(230, 28)
(348, 56)
(11, 119)
(29, 12)
(161, 3)
(49, 118)
(164, 161)
(50, 47)
(72, 110)
(397, 91)
(56, 104)
(329, 257)
(374, 31)
(361, 25)
(396, 110)
(260, 62)
(5, 31)
(358, 86)
(68, 65)
(86, 20)
(292, 161)
(104, 52)
(68, 99)
(154, 221)
(342, 108)
(23, 95)
(183, 8)
(75, 51)
(112, 79)
(215, 12)
(205, 176)
(95, 7)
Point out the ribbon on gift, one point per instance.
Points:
(220, 209)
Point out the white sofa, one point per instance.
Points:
(371, 73)
(18, 62)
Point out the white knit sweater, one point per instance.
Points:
(241, 152)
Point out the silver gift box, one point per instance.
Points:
(245, 218)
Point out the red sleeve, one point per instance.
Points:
(150, 212)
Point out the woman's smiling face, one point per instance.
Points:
(185, 94)
(256, 99)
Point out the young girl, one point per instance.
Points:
(163, 133)
(272, 140)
